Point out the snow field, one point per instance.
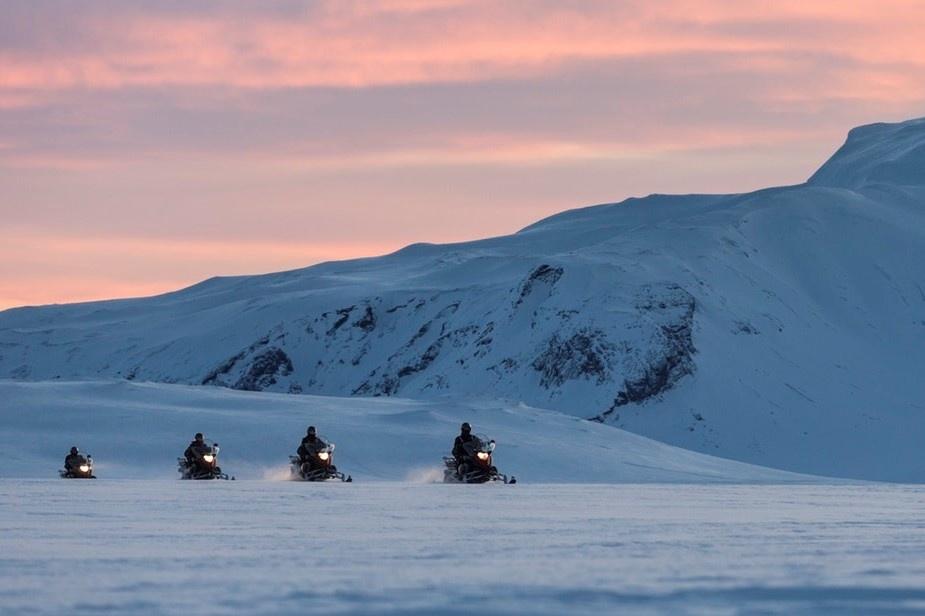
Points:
(256, 547)
(137, 430)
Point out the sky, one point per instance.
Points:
(145, 146)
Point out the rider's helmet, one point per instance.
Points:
(311, 430)
(73, 451)
(199, 437)
(465, 428)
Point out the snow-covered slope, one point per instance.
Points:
(138, 430)
(877, 154)
(783, 327)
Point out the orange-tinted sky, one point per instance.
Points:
(147, 145)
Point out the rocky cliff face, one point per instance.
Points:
(458, 341)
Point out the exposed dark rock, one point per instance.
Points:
(484, 338)
(422, 331)
(508, 365)
(423, 362)
(367, 322)
(359, 356)
(223, 368)
(542, 275)
(438, 382)
(390, 382)
(264, 366)
(264, 369)
(226, 366)
(483, 342)
(673, 358)
(386, 386)
(342, 315)
(460, 336)
(400, 306)
(581, 355)
(365, 388)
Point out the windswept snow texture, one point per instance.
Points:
(885, 154)
(138, 430)
(245, 547)
(783, 327)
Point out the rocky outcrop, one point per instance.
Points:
(264, 370)
(256, 368)
(583, 355)
(367, 322)
(386, 382)
(670, 357)
(543, 278)
(215, 376)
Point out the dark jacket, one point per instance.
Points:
(73, 461)
(310, 446)
(459, 445)
(195, 451)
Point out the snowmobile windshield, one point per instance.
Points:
(483, 443)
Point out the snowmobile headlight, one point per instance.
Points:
(84, 468)
(482, 455)
(323, 455)
(208, 458)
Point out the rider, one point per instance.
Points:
(308, 450)
(73, 460)
(196, 450)
(459, 447)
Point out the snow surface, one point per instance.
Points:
(136, 430)
(783, 327)
(257, 547)
(878, 154)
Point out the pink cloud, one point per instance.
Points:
(422, 42)
(144, 146)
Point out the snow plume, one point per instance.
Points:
(276, 473)
(424, 475)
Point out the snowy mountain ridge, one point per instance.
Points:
(782, 327)
(877, 153)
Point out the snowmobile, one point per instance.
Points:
(319, 468)
(477, 466)
(208, 468)
(84, 470)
